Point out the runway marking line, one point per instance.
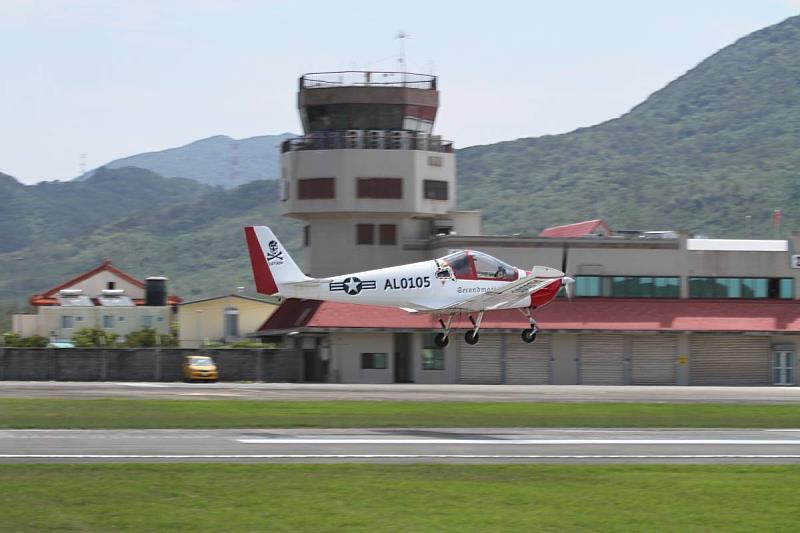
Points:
(523, 442)
(395, 456)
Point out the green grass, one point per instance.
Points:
(374, 498)
(113, 413)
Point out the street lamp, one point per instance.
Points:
(20, 297)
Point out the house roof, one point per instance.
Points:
(49, 296)
(598, 314)
(579, 229)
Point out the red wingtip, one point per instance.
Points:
(265, 283)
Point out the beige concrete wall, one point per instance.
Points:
(348, 165)
(126, 319)
(448, 375)
(94, 285)
(25, 325)
(346, 350)
(334, 250)
(205, 320)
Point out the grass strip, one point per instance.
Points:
(131, 414)
(375, 498)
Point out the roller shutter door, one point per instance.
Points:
(480, 363)
(602, 360)
(528, 364)
(729, 360)
(653, 359)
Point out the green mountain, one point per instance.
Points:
(196, 240)
(715, 145)
(218, 160)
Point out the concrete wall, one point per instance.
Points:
(346, 350)
(349, 165)
(145, 364)
(205, 319)
(125, 319)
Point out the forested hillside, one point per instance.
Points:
(715, 145)
(218, 160)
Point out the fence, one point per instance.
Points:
(145, 364)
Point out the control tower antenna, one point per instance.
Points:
(402, 36)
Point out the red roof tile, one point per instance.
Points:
(580, 314)
(579, 229)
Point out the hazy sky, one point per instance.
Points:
(114, 78)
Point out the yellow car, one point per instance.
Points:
(199, 368)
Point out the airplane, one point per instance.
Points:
(463, 282)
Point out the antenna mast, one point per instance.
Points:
(402, 36)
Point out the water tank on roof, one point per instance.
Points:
(155, 291)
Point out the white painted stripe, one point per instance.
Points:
(393, 456)
(522, 442)
(783, 430)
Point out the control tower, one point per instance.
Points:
(368, 177)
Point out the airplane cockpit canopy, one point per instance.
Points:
(468, 264)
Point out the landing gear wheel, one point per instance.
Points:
(471, 337)
(529, 335)
(441, 340)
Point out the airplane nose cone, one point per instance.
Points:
(566, 280)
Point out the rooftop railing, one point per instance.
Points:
(367, 78)
(368, 139)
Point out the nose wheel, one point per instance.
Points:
(529, 335)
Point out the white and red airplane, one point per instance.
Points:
(463, 282)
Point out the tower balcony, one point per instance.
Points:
(368, 140)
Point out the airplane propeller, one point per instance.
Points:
(566, 281)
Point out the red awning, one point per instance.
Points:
(581, 314)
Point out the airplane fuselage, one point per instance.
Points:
(423, 286)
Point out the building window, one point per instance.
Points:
(108, 322)
(435, 190)
(365, 233)
(373, 361)
(432, 356)
(66, 322)
(387, 234)
(782, 367)
(147, 321)
(121, 319)
(753, 288)
(388, 188)
(435, 160)
(316, 188)
(306, 235)
(627, 286)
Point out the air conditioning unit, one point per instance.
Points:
(376, 139)
(354, 139)
(399, 140)
(423, 141)
(317, 140)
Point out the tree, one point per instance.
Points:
(87, 337)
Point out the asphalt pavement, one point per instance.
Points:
(403, 446)
(400, 392)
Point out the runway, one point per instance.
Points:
(399, 392)
(403, 446)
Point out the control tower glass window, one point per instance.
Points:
(355, 117)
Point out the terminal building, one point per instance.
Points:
(375, 187)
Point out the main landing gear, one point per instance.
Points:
(472, 336)
(529, 335)
(441, 339)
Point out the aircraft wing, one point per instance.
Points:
(503, 296)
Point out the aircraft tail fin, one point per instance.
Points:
(272, 264)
